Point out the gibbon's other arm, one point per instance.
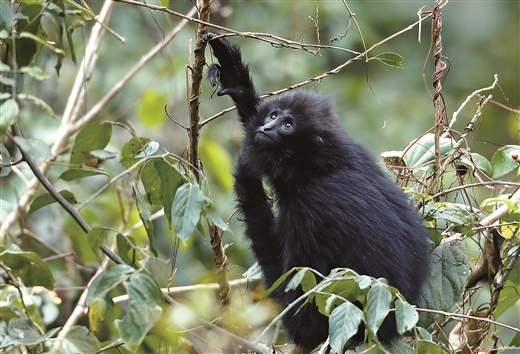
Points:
(233, 78)
(232, 75)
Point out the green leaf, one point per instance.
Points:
(78, 340)
(391, 59)
(145, 299)
(96, 313)
(151, 108)
(364, 281)
(29, 267)
(37, 149)
(125, 245)
(5, 169)
(35, 72)
(97, 237)
(75, 173)
(406, 316)
(254, 272)
(480, 161)
(10, 111)
(378, 305)
(277, 283)
(93, 136)
(21, 331)
(502, 161)
(6, 17)
(427, 347)
(187, 208)
(42, 42)
(212, 215)
(107, 281)
(515, 342)
(217, 162)
(303, 277)
(151, 183)
(449, 268)
(344, 322)
(146, 216)
(27, 49)
(170, 181)
(46, 199)
(131, 149)
(421, 153)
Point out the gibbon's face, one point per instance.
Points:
(278, 125)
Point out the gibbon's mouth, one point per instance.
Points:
(262, 136)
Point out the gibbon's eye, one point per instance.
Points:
(287, 126)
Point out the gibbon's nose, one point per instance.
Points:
(268, 126)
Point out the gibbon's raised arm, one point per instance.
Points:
(232, 75)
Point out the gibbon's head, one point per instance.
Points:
(296, 120)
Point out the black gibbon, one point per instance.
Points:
(334, 205)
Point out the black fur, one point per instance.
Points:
(335, 207)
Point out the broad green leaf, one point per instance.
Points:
(35, 72)
(46, 199)
(491, 204)
(27, 49)
(151, 183)
(74, 173)
(364, 281)
(428, 347)
(21, 331)
(146, 216)
(93, 136)
(151, 108)
(217, 162)
(78, 340)
(131, 149)
(254, 272)
(125, 245)
(378, 305)
(29, 267)
(277, 283)
(449, 268)
(391, 59)
(37, 149)
(406, 316)
(303, 277)
(170, 180)
(502, 161)
(212, 215)
(343, 325)
(38, 102)
(97, 237)
(420, 154)
(480, 161)
(515, 342)
(144, 310)
(107, 281)
(187, 208)
(96, 313)
(6, 17)
(42, 42)
(5, 169)
(10, 111)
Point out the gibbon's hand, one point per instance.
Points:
(232, 76)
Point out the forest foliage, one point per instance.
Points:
(118, 230)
